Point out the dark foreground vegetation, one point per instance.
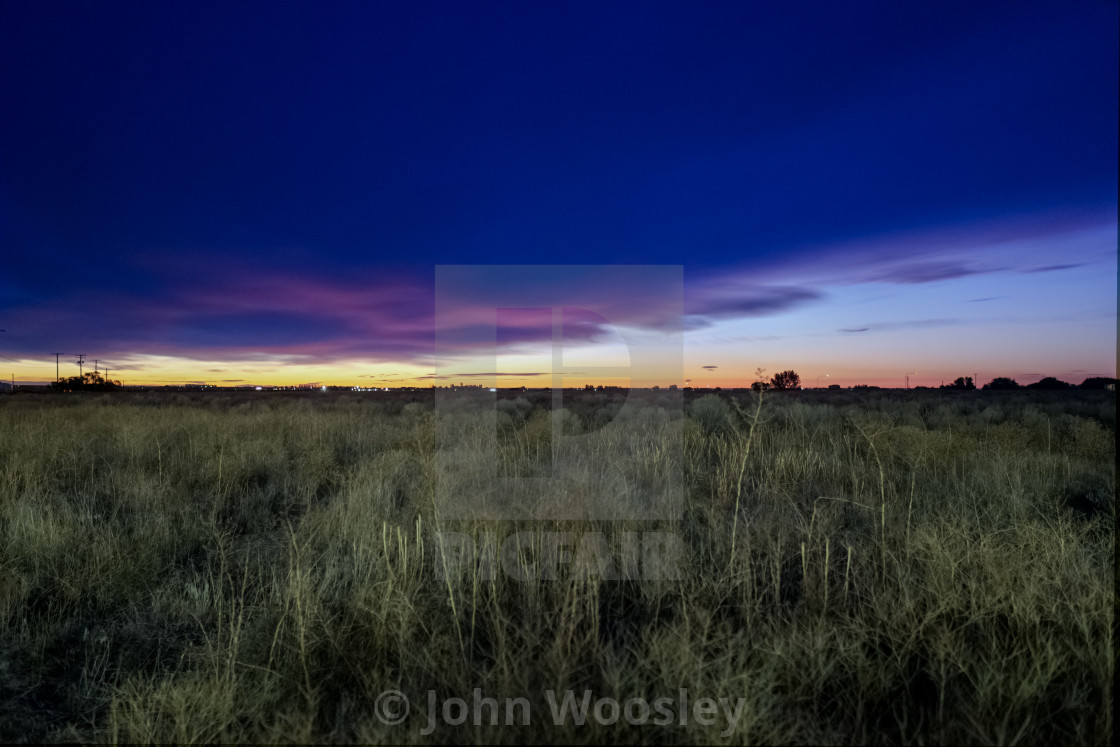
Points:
(886, 567)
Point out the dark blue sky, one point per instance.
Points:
(143, 144)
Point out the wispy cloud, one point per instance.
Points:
(1055, 268)
(950, 252)
(709, 302)
(911, 324)
(925, 272)
(247, 315)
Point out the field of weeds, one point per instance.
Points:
(881, 567)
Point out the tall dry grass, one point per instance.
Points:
(875, 569)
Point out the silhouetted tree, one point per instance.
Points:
(1097, 382)
(1002, 382)
(1050, 383)
(961, 382)
(786, 380)
(90, 382)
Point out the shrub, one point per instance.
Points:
(711, 413)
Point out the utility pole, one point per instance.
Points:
(56, 376)
(81, 357)
(908, 374)
(95, 365)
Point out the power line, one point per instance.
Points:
(56, 376)
(81, 357)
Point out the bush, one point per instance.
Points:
(711, 413)
(786, 380)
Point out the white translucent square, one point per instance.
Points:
(601, 455)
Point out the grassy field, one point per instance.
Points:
(881, 567)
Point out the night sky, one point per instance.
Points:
(261, 192)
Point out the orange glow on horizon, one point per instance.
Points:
(168, 371)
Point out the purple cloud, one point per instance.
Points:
(1055, 268)
(243, 315)
(924, 272)
(709, 302)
